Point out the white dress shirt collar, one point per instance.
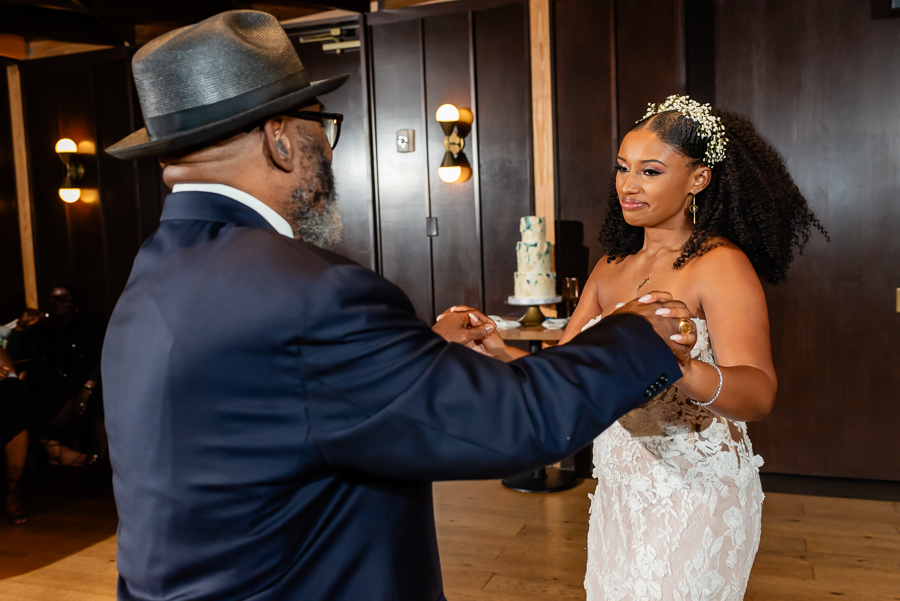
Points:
(277, 221)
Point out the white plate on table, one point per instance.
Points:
(555, 324)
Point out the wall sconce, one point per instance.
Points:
(67, 151)
(455, 167)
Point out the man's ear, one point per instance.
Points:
(277, 144)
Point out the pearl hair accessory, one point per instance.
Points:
(708, 126)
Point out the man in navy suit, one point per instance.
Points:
(277, 413)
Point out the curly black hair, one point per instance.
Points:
(751, 199)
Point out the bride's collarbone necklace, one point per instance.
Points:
(649, 275)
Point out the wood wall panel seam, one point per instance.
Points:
(542, 102)
(23, 184)
(476, 157)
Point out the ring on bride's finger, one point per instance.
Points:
(684, 326)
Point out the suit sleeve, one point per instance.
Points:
(388, 396)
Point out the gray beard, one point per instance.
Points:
(314, 214)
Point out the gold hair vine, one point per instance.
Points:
(708, 126)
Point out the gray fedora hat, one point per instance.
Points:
(215, 77)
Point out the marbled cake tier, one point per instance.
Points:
(532, 229)
(533, 257)
(534, 278)
(536, 285)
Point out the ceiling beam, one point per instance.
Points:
(358, 6)
(64, 26)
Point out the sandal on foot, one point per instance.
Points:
(82, 460)
(16, 517)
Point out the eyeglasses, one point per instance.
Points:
(331, 123)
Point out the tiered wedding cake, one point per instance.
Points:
(534, 280)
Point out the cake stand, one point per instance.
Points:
(533, 317)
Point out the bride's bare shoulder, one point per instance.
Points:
(721, 261)
(606, 264)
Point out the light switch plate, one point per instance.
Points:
(406, 140)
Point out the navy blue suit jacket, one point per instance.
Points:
(276, 414)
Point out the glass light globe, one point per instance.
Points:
(447, 113)
(449, 174)
(70, 194)
(66, 145)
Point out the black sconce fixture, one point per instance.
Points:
(67, 151)
(455, 166)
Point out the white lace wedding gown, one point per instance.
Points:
(676, 514)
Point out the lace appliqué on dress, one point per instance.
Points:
(677, 509)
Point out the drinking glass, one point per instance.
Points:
(570, 293)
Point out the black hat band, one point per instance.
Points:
(171, 124)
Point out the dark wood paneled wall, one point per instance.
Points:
(91, 243)
(584, 67)
(397, 78)
(476, 58)
(456, 250)
(821, 81)
(12, 289)
(650, 56)
(506, 183)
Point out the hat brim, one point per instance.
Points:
(139, 144)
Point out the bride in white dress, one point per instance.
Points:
(704, 208)
(701, 206)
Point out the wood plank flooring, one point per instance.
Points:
(500, 545)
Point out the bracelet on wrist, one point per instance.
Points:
(718, 390)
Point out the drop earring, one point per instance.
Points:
(694, 208)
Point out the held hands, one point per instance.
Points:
(471, 328)
(665, 315)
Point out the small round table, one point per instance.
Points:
(545, 479)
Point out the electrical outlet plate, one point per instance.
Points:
(406, 140)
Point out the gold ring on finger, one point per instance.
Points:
(684, 326)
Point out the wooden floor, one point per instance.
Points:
(505, 546)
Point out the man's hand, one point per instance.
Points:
(492, 344)
(664, 314)
(462, 329)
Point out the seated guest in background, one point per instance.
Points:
(18, 415)
(62, 352)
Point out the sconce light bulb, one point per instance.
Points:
(447, 113)
(70, 194)
(66, 145)
(449, 174)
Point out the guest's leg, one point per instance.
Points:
(16, 452)
(98, 433)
